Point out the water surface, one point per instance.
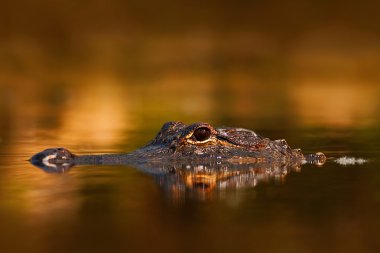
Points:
(120, 208)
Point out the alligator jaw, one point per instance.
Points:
(177, 143)
(59, 160)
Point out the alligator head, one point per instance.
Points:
(201, 141)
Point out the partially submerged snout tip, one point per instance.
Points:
(37, 158)
(52, 159)
(51, 155)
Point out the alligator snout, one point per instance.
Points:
(53, 159)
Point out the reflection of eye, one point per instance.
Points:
(200, 185)
(202, 133)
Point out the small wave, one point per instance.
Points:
(345, 160)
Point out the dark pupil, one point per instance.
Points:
(202, 134)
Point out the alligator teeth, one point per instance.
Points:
(47, 158)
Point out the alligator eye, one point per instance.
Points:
(202, 133)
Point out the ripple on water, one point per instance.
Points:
(345, 160)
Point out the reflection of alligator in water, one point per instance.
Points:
(205, 181)
(198, 154)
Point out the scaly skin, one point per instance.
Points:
(177, 145)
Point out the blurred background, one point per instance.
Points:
(91, 69)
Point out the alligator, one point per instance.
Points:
(179, 145)
(197, 160)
